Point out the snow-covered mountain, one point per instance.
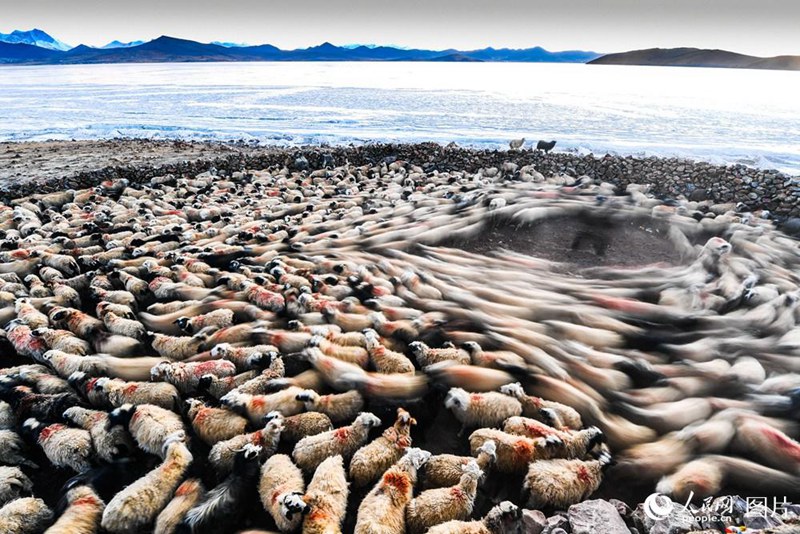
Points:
(34, 37)
(229, 45)
(118, 44)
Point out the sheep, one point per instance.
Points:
(255, 407)
(24, 342)
(7, 418)
(245, 358)
(13, 482)
(370, 461)
(383, 509)
(339, 407)
(185, 376)
(213, 425)
(46, 383)
(117, 392)
(347, 353)
(481, 409)
(25, 516)
(12, 449)
(63, 446)
(109, 443)
(560, 483)
(513, 452)
(186, 497)
(383, 359)
(136, 507)
(66, 364)
(118, 309)
(439, 505)
(501, 519)
(149, 425)
(134, 285)
(226, 502)
(325, 502)
(559, 415)
(63, 340)
(311, 451)
(29, 315)
(222, 454)
(280, 478)
(217, 387)
(77, 322)
(532, 428)
(176, 348)
(503, 360)
(221, 318)
(306, 424)
(468, 377)
(82, 515)
(547, 146)
(124, 327)
(573, 444)
(446, 469)
(516, 144)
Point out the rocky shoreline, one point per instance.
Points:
(670, 177)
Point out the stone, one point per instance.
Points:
(679, 521)
(533, 521)
(586, 517)
(761, 517)
(554, 523)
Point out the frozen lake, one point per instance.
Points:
(719, 115)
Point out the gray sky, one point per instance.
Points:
(759, 27)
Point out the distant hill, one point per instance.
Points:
(25, 53)
(171, 49)
(35, 37)
(697, 57)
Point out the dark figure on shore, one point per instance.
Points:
(544, 145)
(596, 227)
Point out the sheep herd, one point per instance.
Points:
(294, 350)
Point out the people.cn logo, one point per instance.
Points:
(658, 506)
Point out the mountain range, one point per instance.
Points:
(171, 49)
(36, 47)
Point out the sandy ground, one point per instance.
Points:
(43, 161)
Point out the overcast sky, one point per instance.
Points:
(760, 27)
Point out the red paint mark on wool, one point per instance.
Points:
(522, 452)
(458, 494)
(185, 488)
(88, 500)
(342, 434)
(257, 402)
(398, 481)
(130, 390)
(90, 384)
(536, 430)
(783, 441)
(583, 474)
(49, 431)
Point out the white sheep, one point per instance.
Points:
(311, 451)
(384, 507)
(280, 477)
(481, 409)
(435, 506)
